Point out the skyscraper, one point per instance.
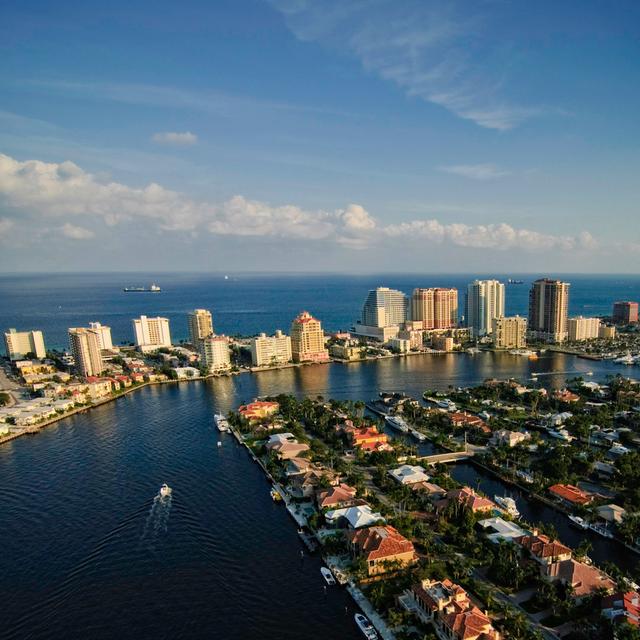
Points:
(151, 333)
(307, 339)
(85, 346)
(104, 335)
(384, 307)
(20, 343)
(484, 302)
(200, 326)
(436, 308)
(548, 309)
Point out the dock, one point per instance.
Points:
(368, 609)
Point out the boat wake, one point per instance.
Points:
(157, 522)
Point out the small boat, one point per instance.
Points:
(508, 504)
(628, 359)
(368, 630)
(219, 443)
(602, 530)
(396, 422)
(446, 404)
(579, 522)
(221, 422)
(275, 495)
(420, 437)
(328, 576)
(165, 490)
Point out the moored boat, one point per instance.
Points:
(275, 495)
(397, 423)
(368, 630)
(579, 522)
(601, 529)
(221, 422)
(508, 504)
(328, 576)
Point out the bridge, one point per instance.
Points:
(451, 456)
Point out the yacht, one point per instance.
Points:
(523, 352)
(628, 359)
(165, 490)
(221, 422)
(368, 630)
(420, 437)
(601, 529)
(508, 504)
(275, 495)
(579, 522)
(446, 404)
(328, 576)
(473, 350)
(397, 423)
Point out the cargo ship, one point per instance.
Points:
(154, 288)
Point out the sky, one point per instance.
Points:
(289, 135)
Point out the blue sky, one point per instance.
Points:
(306, 136)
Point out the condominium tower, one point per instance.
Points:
(384, 307)
(509, 333)
(581, 328)
(435, 308)
(151, 333)
(104, 335)
(548, 309)
(267, 350)
(484, 302)
(215, 352)
(307, 339)
(21, 343)
(85, 347)
(625, 312)
(200, 325)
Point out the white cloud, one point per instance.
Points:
(56, 193)
(76, 233)
(181, 139)
(485, 171)
(438, 51)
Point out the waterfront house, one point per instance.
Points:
(622, 607)
(544, 551)
(558, 419)
(570, 495)
(583, 579)
(297, 466)
(508, 438)
(468, 498)
(564, 395)
(306, 484)
(409, 474)
(336, 497)
(433, 492)
(288, 450)
(468, 421)
(611, 513)
(499, 530)
(279, 438)
(382, 547)
(367, 438)
(258, 410)
(448, 608)
(353, 517)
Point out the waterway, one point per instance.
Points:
(88, 550)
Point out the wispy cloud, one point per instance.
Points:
(486, 171)
(180, 139)
(56, 193)
(438, 51)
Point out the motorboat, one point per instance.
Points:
(579, 522)
(397, 423)
(601, 529)
(420, 437)
(508, 504)
(328, 576)
(628, 359)
(221, 422)
(275, 495)
(165, 490)
(446, 404)
(368, 630)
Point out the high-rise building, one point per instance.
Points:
(268, 350)
(215, 352)
(384, 307)
(509, 333)
(625, 312)
(19, 344)
(104, 335)
(436, 308)
(151, 333)
(581, 328)
(200, 326)
(85, 347)
(307, 339)
(484, 302)
(548, 309)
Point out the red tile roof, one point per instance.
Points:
(380, 542)
(584, 578)
(336, 495)
(542, 546)
(627, 603)
(570, 493)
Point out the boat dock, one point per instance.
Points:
(368, 609)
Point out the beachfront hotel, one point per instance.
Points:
(510, 332)
(151, 333)
(548, 310)
(484, 302)
(200, 326)
(307, 339)
(85, 347)
(270, 350)
(19, 344)
(436, 308)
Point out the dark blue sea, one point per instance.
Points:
(246, 304)
(87, 549)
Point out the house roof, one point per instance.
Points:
(336, 495)
(469, 498)
(381, 542)
(542, 546)
(628, 604)
(570, 493)
(470, 625)
(584, 578)
(408, 474)
(357, 517)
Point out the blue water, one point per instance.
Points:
(245, 304)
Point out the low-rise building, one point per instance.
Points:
(468, 421)
(570, 494)
(401, 345)
(544, 551)
(258, 410)
(504, 437)
(442, 343)
(353, 517)
(409, 474)
(346, 350)
(501, 530)
(468, 498)
(622, 607)
(382, 547)
(336, 497)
